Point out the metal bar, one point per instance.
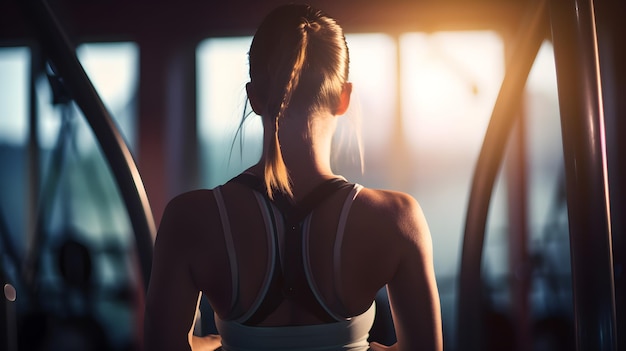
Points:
(582, 126)
(34, 157)
(532, 33)
(612, 53)
(519, 260)
(61, 53)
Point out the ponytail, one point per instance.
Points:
(298, 65)
(276, 174)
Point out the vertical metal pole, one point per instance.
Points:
(34, 171)
(582, 123)
(399, 151)
(611, 27)
(181, 137)
(519, 262)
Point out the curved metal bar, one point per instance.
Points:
(60, 52)
(533, 31)
(584, 148)
(612, 53)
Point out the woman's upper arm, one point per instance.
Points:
(172, 294)
(413, 293)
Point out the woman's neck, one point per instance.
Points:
(305, 145)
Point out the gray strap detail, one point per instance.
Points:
(306, 227)
(271, 262)
(343, 218)
(230, 247)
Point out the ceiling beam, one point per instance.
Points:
(193, 20)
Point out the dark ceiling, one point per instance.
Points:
(192, 20)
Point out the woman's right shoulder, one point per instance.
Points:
(191, 201)
(190, 210)
(200, 207)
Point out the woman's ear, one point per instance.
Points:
(254, 99)
(344, 99)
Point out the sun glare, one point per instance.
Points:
(449, 84)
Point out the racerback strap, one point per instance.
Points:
(289, 282)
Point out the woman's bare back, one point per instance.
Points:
(372, 247)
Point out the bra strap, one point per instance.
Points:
(230, 249)
(289, 282)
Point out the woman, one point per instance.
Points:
(290, 255)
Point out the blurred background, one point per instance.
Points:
(426, 76)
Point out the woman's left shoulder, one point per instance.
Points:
(389, 202)
(396, 211)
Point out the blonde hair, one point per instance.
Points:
(298, 61)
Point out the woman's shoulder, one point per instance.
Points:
(189, 210)
(391, 211)
(189, 202)
(388, 202)
(199, 208)
(191, 196)
(189, 225)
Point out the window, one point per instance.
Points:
(222, 75)
(113, 68)
(14, 70)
